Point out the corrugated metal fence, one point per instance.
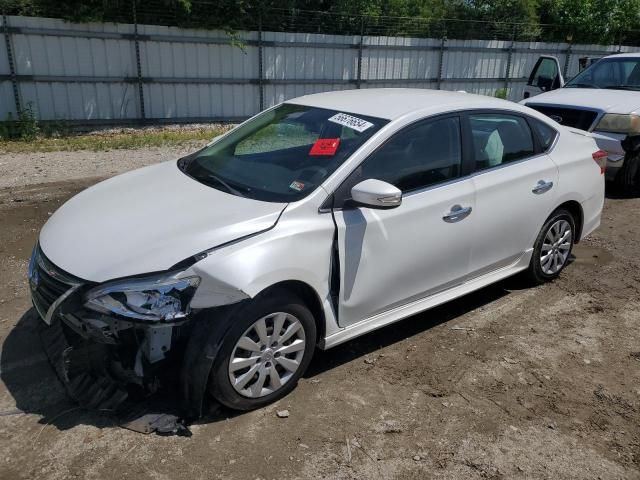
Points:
(122, 73)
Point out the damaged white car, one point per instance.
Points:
(312, 223)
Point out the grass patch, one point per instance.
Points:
(126, 139)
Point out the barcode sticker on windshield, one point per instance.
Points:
(355, 123)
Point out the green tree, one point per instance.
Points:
(599, 21)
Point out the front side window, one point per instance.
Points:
(499, 139)
(417, 157)
(545, 74)
(283, 154)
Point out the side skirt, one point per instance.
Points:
(382, 319)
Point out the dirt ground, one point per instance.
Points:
(506, 383)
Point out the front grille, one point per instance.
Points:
(48, 282)
(570, 117)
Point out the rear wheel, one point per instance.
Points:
(265, 352)
(553, 247)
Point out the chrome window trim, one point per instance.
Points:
(526, 118)
(504, 165)
(461, 113)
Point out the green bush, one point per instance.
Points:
(501, 93)
(25, 127)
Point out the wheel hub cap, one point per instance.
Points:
(556, 247)
(267, 355)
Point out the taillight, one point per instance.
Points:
(600, 157)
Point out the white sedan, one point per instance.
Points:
(312, 223)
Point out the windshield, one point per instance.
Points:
(613, 73)
(281, 155)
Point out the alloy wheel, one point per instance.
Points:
(267, 355)
(556, 247)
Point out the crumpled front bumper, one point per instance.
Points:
(90, 387)
(99, 358)
(103, 359)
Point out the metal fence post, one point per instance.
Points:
(619, 42)
(138, 64)
(567, 57)
(359, 72)
(12, 66)
(443, 41)
(260, 65)
(507, 72)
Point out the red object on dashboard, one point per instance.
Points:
(325, 146)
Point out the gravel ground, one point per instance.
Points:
(20, 169)
(506, 383)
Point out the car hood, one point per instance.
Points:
(145, 221)
(610, 101)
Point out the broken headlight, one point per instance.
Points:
(156, 298)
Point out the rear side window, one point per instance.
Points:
(546, 134)
(499, 139)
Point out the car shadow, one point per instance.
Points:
(32, 382)
(28, 376)
(409, 327)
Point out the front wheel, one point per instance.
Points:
(553, 247)
(264, 353)
(628, 178)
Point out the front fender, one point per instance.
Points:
(208, 331)
(296, 249)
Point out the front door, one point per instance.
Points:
(389, 258)
(545, 76)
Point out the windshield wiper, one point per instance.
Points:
(228, 187)
(582, 85)
(623, 87)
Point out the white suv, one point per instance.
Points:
(603, 99)
(314, 222)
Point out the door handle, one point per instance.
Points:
(456, 214)
(542, 187)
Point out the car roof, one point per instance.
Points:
(393, 103)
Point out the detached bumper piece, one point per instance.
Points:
(79, 370)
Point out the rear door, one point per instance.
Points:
(515, 183)
(545, 76)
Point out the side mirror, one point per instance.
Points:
(376, 194)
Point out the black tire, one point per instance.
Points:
(628, 178)
(220, 386)
(535, 272)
